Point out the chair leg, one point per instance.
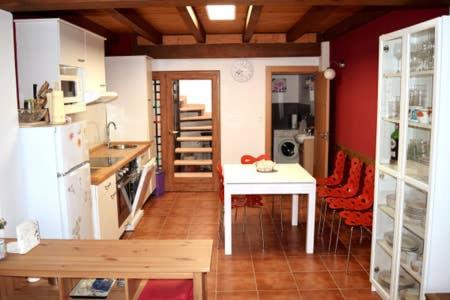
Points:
(281, 215)
(324, 218)
(331, 230)
(349, 250)
(337, 234)
(273, 205)
(261, 226)
(219, 238)
(235, 215)
(360, 234)
(320, 215)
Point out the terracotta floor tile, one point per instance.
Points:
(211, 295)
(203, 229)
(353, 280)
(212, 219)
(314, 281)
(279, 295)
(236, 282)
(321, 295)
(275, 281)
(271, 265)
(174, 228)
(306, 263)
(355, 294)
(337, 262)
(211, 281)
(237, 295)
(171, 236)
(363, 260)
(234, 266)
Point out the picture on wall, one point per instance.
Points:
(279, 85)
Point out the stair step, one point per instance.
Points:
(192, 162)
(193, 174)
(192, 107)
(205, 117)
(194, 138)
(196, 128)
(193, 150)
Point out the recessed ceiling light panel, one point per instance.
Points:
(221, 12)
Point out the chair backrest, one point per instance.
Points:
(365, 200)
(354, 177)
(339, 168)
(247, 159)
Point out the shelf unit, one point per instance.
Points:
(412, 159)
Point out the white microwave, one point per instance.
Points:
(71, 84)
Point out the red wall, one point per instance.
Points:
(354, 90)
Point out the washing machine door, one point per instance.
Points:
(288, 149)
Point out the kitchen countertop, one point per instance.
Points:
(100, 175)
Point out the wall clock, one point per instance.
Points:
(242, 70)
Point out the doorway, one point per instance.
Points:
(190, 129)
(288, 108)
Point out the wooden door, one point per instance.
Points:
(321, 124)
(190, 133)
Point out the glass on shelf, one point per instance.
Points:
(418, 153)
(422, 51)
(415, 210)
(392, 57)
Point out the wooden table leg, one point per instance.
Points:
(6, 285)
(133, 288)
(199, 281)
(65, 286)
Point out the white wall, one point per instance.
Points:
(197, 92)
(242, 105)
(95, 115)
(10, 178)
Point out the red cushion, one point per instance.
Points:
(168, 289)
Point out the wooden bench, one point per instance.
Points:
(135, 261)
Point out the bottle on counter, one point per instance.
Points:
(394, 144)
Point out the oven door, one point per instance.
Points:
(123, 198)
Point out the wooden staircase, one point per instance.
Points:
(193, 151)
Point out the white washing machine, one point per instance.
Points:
(285, 148)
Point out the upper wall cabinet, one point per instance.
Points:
(411, 236)
(72, 45)
(95, 63)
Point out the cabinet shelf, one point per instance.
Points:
(414, 228)
(422, 73)
(410, 123)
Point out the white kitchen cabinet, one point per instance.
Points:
(411, 224)
(95, 81)
(105, 213)
(72, 45)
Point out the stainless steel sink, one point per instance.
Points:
(102, 162)
(122, 146)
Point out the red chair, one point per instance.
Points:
(362, 202)
(363, 220)
(247, 159)
(164, 289)
(350, 189)
(338, 173)
(237, 201)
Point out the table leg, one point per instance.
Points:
(199, 282)
(294, 210)
(227, 221)
(310, 221)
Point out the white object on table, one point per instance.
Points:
(287, 179)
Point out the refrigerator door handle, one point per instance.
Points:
(72, 169)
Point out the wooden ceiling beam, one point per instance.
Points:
(308, 22)
(363, 16)
(229, 50)
(253, 14)
(43, 5)
(139, 25)
(191, 20)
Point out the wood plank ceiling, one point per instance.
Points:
(261, 28)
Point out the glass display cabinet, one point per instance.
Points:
(411, 233)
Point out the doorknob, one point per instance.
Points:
(174, 132)
(324, 135)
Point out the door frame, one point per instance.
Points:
(188, 184)
(279, 70)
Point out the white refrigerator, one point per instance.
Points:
(55, 161)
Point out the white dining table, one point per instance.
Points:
(287, 179)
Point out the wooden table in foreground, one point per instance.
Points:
(289, 179)
(131, 260)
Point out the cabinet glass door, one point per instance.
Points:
(390, 103)
(385, 224)
(420, 104)
(411, 242)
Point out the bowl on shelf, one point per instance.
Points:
(31, 116)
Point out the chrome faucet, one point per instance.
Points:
(108, 134)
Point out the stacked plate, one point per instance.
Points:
(409, 242)
(415, 212)
(404, 281)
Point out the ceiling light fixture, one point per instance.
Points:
(330, 73)
(221, 12)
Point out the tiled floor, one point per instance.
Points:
(282, 271)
